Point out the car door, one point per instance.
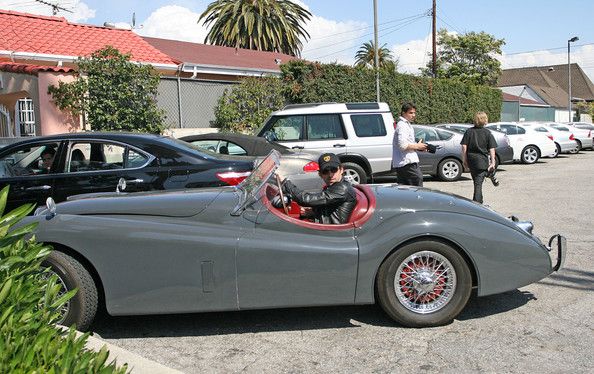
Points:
(429, 161)
(325, 133)
(280, 264)
(93, 166)
(21, 168)
(373, 137)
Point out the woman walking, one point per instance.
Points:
(478, 152)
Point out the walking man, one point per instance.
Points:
(404, 150)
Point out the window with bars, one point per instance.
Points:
(26, 116)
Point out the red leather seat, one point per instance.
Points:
(361, 207)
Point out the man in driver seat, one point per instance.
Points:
(332, 205)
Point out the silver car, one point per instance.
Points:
(583, 136)
(446, 162)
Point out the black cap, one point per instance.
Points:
(328, 160)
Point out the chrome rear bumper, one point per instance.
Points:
(560, 242)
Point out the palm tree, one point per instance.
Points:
(365, 56)
(264, 25)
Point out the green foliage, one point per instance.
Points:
(263, 25)
(245, 107)
(365, 56)
(30, 302)
(468, 57)
(114, 93)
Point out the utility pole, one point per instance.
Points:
(55, 7)
(434, 65)
(376, 51)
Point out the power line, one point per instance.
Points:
(55, 7)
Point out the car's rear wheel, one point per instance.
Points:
(578, 147)
(80, 310)
(530, 155)
(557, 150)
(425, 283)
(354, 173)
(449, 170)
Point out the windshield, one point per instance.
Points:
(249, 189)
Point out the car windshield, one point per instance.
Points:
(249, 189)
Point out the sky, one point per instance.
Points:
(535, 31)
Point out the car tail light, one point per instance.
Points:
(233, 178)
(550, 137)
(311, 166)
(571, 137)
(395, 125)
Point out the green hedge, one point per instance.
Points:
(30, 302)
(245, 107)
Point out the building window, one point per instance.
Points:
(26, 116)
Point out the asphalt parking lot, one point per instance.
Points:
(545, 327)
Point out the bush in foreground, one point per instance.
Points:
(30, 303)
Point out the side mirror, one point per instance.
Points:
(270, 136)
(50, 204)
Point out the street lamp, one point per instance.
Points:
(574, 39)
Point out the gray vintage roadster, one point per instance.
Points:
(419, 253)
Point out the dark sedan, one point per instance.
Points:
(94, 162)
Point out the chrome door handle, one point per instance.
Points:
(135, 181)
(338, 145)
(297, 147)
(45, 187)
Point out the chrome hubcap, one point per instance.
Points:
(451, 170)
(425, 282)
(351, 176)
(530, 155)
(63, 289)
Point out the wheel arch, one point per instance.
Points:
(357, 159)
(86, 264)
(437, 238)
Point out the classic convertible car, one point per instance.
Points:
(419, 253)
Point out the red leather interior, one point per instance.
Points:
(361, 213)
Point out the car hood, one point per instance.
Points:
(397, 199)
(173, 203)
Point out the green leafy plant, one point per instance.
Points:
(30, 304)
(113, 93)
(245, 107)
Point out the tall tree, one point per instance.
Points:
(468, 57)
(263, 25)
(115, 94)
(365, 56)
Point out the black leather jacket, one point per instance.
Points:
(332, 205)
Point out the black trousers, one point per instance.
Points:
(478, 177)
(410, 174)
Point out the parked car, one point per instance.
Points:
(227, 248)
(583, 136)
(146, 162)
(504, 151)
(528, 144)
(361, 134)
(582, 125)
(301, 165)
(564, 140)
(446, 162)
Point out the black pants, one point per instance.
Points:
(410, 174)
(478, 177)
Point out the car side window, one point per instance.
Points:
(207, 144)
(508, 129)
(93, 156)
(444, 135)
(29, 160)
(288, 128)
(135, 159)
(426, 134)
(324, 126)
(520, 130)
(540, 129)
(232, 149)
(368, 125)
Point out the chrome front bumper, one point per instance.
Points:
(560, 243)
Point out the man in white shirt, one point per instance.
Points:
(404, 151)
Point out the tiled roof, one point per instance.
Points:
(31, 69)
(522, 100)
(23, 32)
(213, 55)
(551, 82)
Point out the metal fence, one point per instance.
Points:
(190, 103)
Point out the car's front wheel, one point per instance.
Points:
(449, 170)
(424, 283)
(354, 173)
(80, 310)
(530, 155)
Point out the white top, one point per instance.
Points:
(404, 134)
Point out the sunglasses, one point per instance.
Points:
(330, 170)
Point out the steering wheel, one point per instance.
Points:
(280, 190)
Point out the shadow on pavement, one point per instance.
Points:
(295, 319)
(571, 278)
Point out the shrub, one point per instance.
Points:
(30, 302)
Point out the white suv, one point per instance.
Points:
(360, 134)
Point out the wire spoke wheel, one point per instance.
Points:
(425, 282)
